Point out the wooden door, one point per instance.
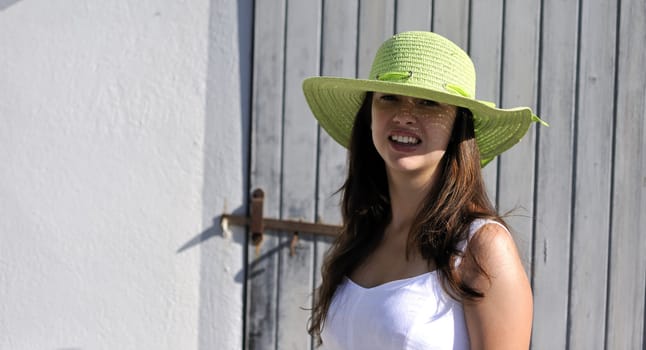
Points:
(576, 188)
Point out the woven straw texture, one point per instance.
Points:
(423, 65)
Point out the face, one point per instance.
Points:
(411, 134)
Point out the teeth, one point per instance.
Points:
(404, 139)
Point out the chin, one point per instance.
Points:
(405, 166)
(415, 163)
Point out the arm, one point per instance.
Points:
(502, 319)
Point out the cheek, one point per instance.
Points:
(377, 122)
(442, 126)
(439, 125)
(377, 132)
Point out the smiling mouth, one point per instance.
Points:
(404, 140)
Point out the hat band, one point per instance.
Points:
(390, 76)
(457, 89)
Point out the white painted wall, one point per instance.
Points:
(122, 137)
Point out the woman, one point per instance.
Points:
(423, 260)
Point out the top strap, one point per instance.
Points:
(473, 228)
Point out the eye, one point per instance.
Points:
(428, 103)
(388, 98)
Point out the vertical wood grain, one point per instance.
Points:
(590, 237)
(339, 48)
(589, 204)
(451, 20)
(625, 319)
(266, 140)
(642, 218)
(485, 49)
(519, 88)
(554, 180)
(338, 59)
(295, 277)
(413, 15)
(376, 24)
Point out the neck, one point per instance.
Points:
(407, 192)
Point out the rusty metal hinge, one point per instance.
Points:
(257, 223)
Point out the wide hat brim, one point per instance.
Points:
(335, 101)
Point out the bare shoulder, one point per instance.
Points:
(493, 247)
(491, 250)
(502, 318)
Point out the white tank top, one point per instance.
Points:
(412, 313)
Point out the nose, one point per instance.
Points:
(404, 116)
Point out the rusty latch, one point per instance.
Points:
(258, 224)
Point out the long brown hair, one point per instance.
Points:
(441, 222)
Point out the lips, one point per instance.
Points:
(404, 138)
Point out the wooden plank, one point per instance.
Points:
(451, 20)
(593, 175)
(376, 24)
(338, 59)
(642, 218)
(266, 143)
(485, 49)
(339, 36)
(554, 181)
(625, 319)
(340, 27)
(298, 175)
(413, 15)
(594, 155)
(519, 88)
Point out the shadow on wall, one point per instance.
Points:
(215, 230)
(4, 4)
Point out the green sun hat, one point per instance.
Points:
(422, 65)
